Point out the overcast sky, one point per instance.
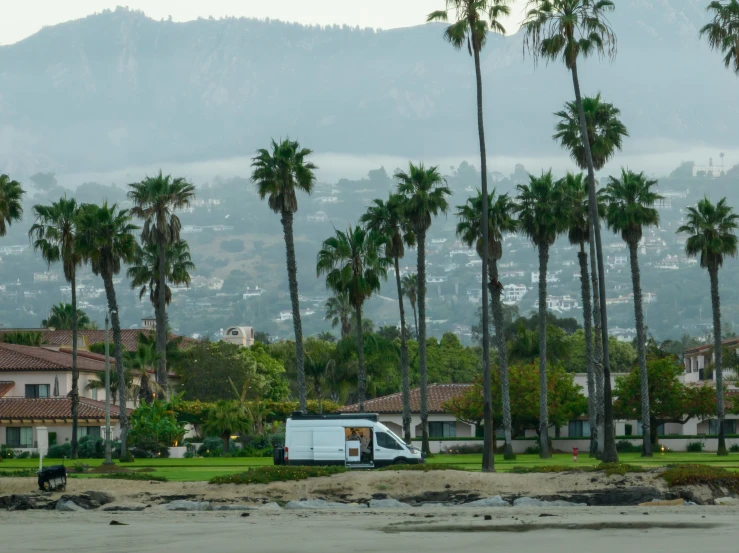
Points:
(20, 19)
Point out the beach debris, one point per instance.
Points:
(387, 504)
(186, 505)
(533, 502)
(116, 523)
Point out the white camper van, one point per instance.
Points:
(352, 440)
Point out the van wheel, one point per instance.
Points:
(400, 461)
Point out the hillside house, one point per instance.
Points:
(240, 335)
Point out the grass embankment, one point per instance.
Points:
(204, 469)
(609, 468)
(695, 475)
(265, 475)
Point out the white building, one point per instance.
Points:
(551, 277)
(240, 335)
(513, 293)
(318, 217)
(559, 303)
(252, 292)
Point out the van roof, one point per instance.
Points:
(374, 417)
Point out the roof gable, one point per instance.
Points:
(438, 395)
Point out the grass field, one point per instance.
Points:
(193, 470)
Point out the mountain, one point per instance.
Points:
(119, 89)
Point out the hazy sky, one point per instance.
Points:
(19, 20)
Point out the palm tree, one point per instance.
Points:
(100, 385)
(387, 220)
(155, 201)
(605, 131)
(61, 315)
(227, 417)
(723, 31)
(474, 18)
(106, 241)
(353, 265)
(470, 231)
(425, 197)
(409, 285)
(712, 235)
(629, 210)
(576, 206)
(319, 364)
(11, 207)
(571, 29)
(339, 312)
(541, 217)
(144, 358)
(54, 234)
(279, 175)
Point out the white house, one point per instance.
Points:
(513, 293)
(240, 335)
(551, 277)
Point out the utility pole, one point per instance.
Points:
(108, 453)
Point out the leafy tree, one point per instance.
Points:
(469, 229)
(473, 20)
(261, 337)
(409, 285)
(279, 175)
(155, 201)
(353, 265)
(319, 364)
(630, 208)
(23, 338)
(388, 222)
(605, 131)
(525, 345)
(670, 400)
(227, 417)
(541, 217)
(425, 197)
(568, 30)
(723, 31)
(339, 312)
(61, 316)
(623, 355)
(106, 241)
(712, 236)
(156, 421)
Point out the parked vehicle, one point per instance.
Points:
(352, 440)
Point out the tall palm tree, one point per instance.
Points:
(723, 31)
(279, 175)
(54, 234)
(541, 217)
(144, 358)
(425, 196)
(61, 315)
(576, 206)
(409, 284)
(339, 312)
(712, 235)
(570, 29)
(387, 220)
(469, 230)
(605, 131)
(630, 208)
(473, 20)
(155, 201)
(106, 241)
(354, 264)
(11, 198)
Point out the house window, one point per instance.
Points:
(37, 390)
(92, 431)
(578, 429)
(443, 429)
(94, 393)
(729, 427)
(19, 436)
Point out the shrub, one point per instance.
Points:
(734, 448)
(691, 475)
(133, 476)
(625, 446)
(91, 448)
(24, 455)
(149, 449)
(62, 451)
(608, 468)
(127, 458)
(695, 447)
(465, 449)
(6, 452)
(423, 468)
(533, 450)
(265, 475)
(212, 447)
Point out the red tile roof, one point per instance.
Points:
(438, 394)
(707, 347)
(5, 387)
(24, 358)
(59, 338)
(19, 409)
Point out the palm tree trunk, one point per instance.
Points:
(597, 356)
(292, 276)
(587, 323)
(641, 350)
(118, 354)
(405, 376)
(488, 457)
(75, 372)
(610, 455)
(361, 374)
(496, 290)
(161, 318)
(717, 360)
(319, 395)
(544, 452)
(415, 316)
(421, 272)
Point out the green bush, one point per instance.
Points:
(91, 448)
(149, 449)
(212, 447)
(691, 475)
(608, 468)
(625, 446)
(17, 473)
(24, 455)
(61, 451)
(6, 452)
(423, 468)
(464, 449)
(265, 475)
(695, 447)
(133, 476)
(533, 450)
(734, 448)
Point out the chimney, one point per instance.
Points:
(149, 323)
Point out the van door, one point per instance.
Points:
(328, 445)
(301, 446)
(386, 449)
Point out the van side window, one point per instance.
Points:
(386, 441)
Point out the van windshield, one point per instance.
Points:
(400, 442)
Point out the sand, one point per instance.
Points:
(605, 529)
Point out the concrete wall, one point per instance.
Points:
(63, 431)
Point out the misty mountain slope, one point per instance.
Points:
(119, 89)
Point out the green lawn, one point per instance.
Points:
(192, 470)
